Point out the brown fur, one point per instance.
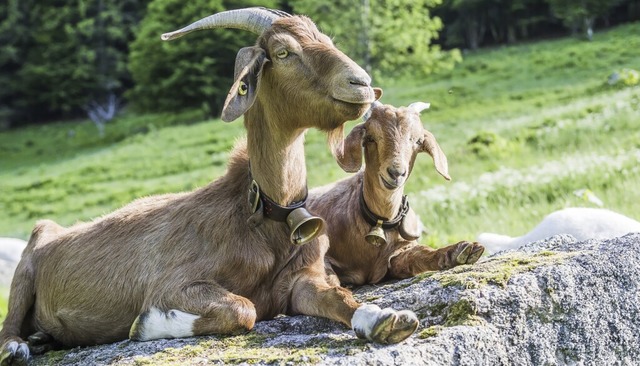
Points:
(392, 138)
(194, 251)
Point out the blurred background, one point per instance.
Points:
(535, 102)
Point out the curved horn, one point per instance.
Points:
(419, 106)
(255, 20)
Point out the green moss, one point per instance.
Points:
(430, 332)
(462, 312)
(498, 270)
(248, 348)
(54, 357)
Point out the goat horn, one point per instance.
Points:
(255, 20)
(419, 106)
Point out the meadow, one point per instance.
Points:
(524, 127)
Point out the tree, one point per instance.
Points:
(388, 37)
(194, 71)
(581, 14)
(15, 37)
(64, 55)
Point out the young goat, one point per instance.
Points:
(391, 138)
(581, 222)
(204, 262)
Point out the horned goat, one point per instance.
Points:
(204, 262)
(391, 139)
(581, 222)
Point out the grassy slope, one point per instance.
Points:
(541, 102)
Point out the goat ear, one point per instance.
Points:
(431, 146)
(350, 158)
(377, 92)
(249, 64)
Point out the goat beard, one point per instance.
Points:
(335, 139)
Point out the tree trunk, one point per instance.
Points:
(588, 25)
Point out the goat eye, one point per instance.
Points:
(243, 88)
(282, 53)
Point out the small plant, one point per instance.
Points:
(486, 144)
(625, 77)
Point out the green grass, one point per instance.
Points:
(541, 110)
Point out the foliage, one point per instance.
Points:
(475, 23)
(193, 72)
(63, 54)
(625, 77)
(389, 37)
(581, 14)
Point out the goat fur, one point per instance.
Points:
(390, 139)
(580, 222)
(193, 253)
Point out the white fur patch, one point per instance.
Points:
(364, 319)
(172, 324)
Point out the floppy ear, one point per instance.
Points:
(351, 159)
(249, 64)
(431, 146)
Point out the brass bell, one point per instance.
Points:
(376, 236)
(303, 225)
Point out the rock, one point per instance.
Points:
(10, 252)
(552, 302)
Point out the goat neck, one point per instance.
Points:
(277, 157)
(380, 201)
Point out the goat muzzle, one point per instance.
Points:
(303, 225)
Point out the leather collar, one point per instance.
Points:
(270, 208)
(372, 219)
(276, 212)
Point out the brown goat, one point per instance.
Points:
(187, 264)
(391, 138)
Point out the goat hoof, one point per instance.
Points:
(394, 327)
(41, 342)
(385, 326)
(39, 338)
(476, 253)
(14, 353)
(467, 253)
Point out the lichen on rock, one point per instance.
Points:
(555, 302)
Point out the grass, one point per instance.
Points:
(523, 127)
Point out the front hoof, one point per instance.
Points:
(476, 252)
(41, 342)
(14, 353)
(385, 326)
(466, 253)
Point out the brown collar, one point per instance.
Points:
(259, 200)
(372, 219)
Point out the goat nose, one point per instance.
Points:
(395, 173)
(360, 80)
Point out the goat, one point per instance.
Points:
(581, 222)
(187, 264)
(391, 138)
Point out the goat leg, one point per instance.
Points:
(418, 258)
(200, 308)
(311, 296)
(41, 342)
